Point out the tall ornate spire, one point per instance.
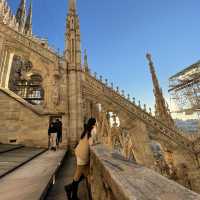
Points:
(73, 57)
(21, 15)
(28, 24)
(86, 67)
(161, 109)
(72, 36)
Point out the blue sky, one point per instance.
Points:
(118, 33)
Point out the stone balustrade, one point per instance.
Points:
(114, 178)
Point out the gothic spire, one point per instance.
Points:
(86, 61)
(161, 109)
(72, 36)
(28, 24)
(153, 73)
(21, 15)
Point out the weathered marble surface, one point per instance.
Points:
(7, 147)
(30, 181)
(114, 178)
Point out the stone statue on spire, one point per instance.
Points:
(72, 4)
(86, 67)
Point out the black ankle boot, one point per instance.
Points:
(68, 190)
(72, 189)
(75, 190)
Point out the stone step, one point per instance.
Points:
(32, 180)
(7, 147)
(13, 159)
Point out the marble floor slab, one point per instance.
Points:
(15, 158)
(8, 147)
(31, 180)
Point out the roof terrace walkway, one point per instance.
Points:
(112, 177)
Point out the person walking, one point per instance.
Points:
(59, 131)
(82, 158)
(52, 132)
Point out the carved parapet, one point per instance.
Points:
(28, 42)
(6, 15)
(113, 178)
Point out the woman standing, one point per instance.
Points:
(82, 158)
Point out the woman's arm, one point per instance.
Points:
(93, 140)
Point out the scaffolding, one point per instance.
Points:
(184, 89)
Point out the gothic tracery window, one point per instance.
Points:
(24, 83)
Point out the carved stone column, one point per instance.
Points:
(56, 93)
(1, 50)
(46, 85)
(6, 68)
(79, 89)
(75, 102)
(9, 66)
(2, 63)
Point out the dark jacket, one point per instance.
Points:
(59, 130)
(52, 128)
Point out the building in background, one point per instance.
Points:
(184, 88)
